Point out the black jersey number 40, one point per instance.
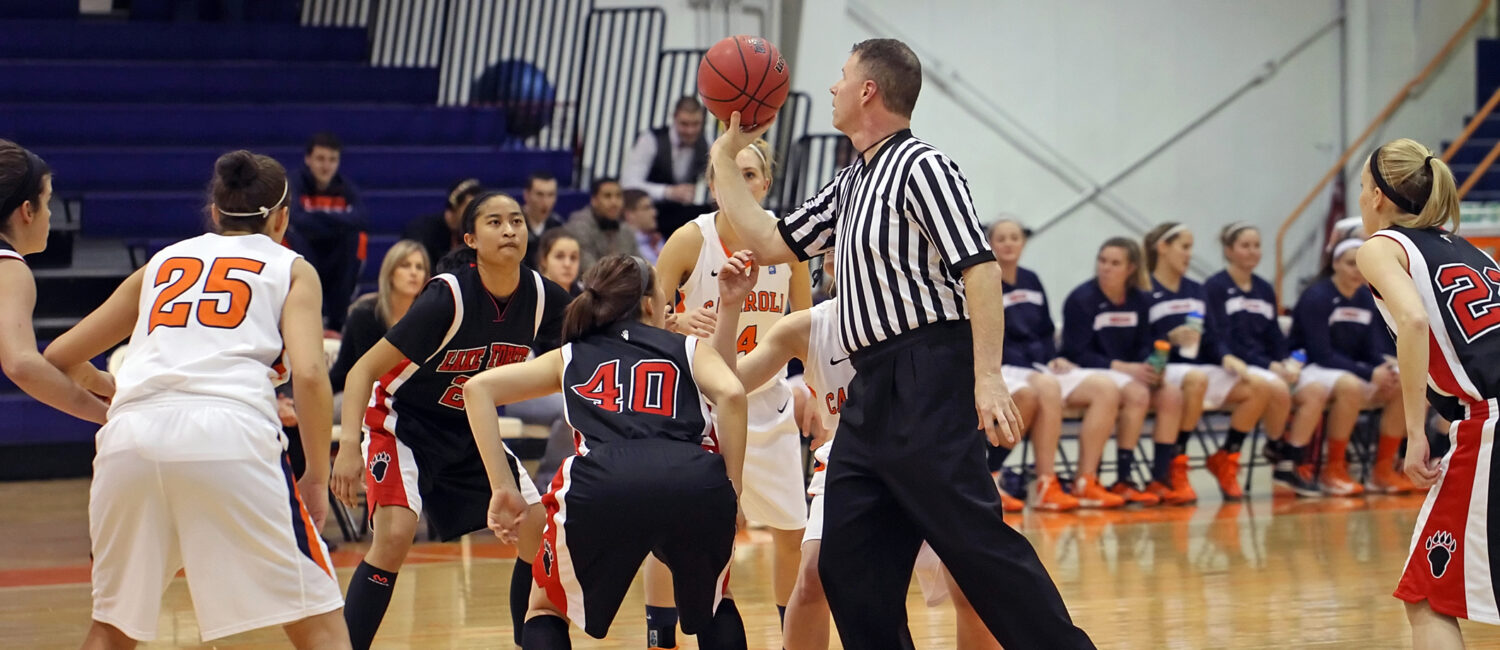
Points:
(1471, 297)
(652, 389)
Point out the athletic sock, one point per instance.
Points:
(1386, 450)
(1293, 454)
(1161, 461)
(1124, 461)
(997, 458)
(661, 627)
(1234, 440)
(365, 604)
(545, 632)
(1337, 452)
(726, 631)
(520, 596)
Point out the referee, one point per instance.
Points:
(913, 266)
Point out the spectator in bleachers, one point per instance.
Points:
(1351, 354)
(598, 227)
(1042, 383)
(1105, 325)
(540, 208)
(640, 213)
(442, 233)
(328, 226)
(1209, 375)
(557, 260)
(1246, 306)
(666, 163)
(403, 273)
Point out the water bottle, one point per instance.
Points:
(1300, 356)
(1158, 358)
(1195, 321)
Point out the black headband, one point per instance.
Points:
(30, 186)
(1401, 201)
(645, 270)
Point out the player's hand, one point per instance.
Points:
(812, 426)
(1141, 372)
(1424, 472)
(286, 410)
(1289, 371)
(507, 511)
(1235, 365)
(1183, 336)
(348, 474)
(1061, 366)
(997, 412)
(732, 141)
(737, 278)
(315, 499)
(699, 322)
(740, 522)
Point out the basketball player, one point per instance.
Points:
(645, 480)
(773, 459)
(488, 310)
(812, 336)
(25, 190)
(191, 471)
(1437, 292)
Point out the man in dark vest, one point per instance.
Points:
(668, 162)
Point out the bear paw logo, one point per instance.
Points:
(378, 466)
(1440, 549)
(547, 558)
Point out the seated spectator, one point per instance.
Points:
(540, 207)
(557, 260)
(640, 213)
(327, 225)
(598, 228)
(666, 163)
(441, 233)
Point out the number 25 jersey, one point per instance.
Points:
(1458, 285)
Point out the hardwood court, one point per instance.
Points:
(1264, 574)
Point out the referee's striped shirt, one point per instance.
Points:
(905, 230)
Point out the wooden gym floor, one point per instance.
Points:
(1268, 573)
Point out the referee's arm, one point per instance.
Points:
(759, 230)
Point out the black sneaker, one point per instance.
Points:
(1298, 480)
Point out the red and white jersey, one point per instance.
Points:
(827, 368)
(763, 307)
(209, 324)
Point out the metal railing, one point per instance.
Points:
(815, 159)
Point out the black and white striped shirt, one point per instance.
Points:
(905, 229)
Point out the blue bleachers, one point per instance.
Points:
(45, 125)
(28, 421)
(68, 39)
(223, 82)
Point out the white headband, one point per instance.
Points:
(1173, 232)
(1346, 246)
(261, 212)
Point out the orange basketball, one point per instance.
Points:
(745, 74)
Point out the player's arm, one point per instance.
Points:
(719, 384)
(19, 358)
(761, 231)
(787, 338)
(673, 266)
(348, 466)
(506, 385)
(1383, 263)
(101, 330)
(800, 290)
(312, 392)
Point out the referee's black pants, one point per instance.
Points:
(910, 465)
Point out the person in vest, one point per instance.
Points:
(667, 162)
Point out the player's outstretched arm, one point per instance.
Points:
(1383, 263)
(486, 390)
(312, 393)
(718, 383)
(750, 220)
(787, 338)
(349, 465)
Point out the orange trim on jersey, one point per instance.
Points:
(314, 544)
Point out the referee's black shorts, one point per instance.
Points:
(608, 510)
(910, 465)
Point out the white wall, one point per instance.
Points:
(1104, 81)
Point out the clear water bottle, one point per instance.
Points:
(1158, 359)
(1195, 321)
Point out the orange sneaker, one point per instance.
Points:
(1180, 482)
(1225, 466)
(1009, 503)
(1131, 494)
(1091, 494)
(1336, 481)
(1388, 480)
(1169, 495)
(1050, 496)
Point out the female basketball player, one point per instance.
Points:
(773, 461)
(1105, 326)
(1422, 275)
(1208, 375)
(645, 480)
(191, 471)
(811, 335)
(420, 456)
(1046, 382)
(25, 190)
(1245, 306)
(1348, 353)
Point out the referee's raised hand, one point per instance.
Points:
(732, 141)
(998, 415)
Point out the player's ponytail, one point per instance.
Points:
(246, 189)
(612, 292)
(21, 179)
(1420, 185)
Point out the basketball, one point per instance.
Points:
(745, 74)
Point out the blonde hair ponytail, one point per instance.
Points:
(761, 148)
(1417, 183)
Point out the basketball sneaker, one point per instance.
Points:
(1388, 480)
(1133, 494)
(1050, 496)
(1009, 503)
(1298, 479)
(1225, 467)
(1337, 482)
(1180, 482)
(1171, 495)
(1091, 494)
